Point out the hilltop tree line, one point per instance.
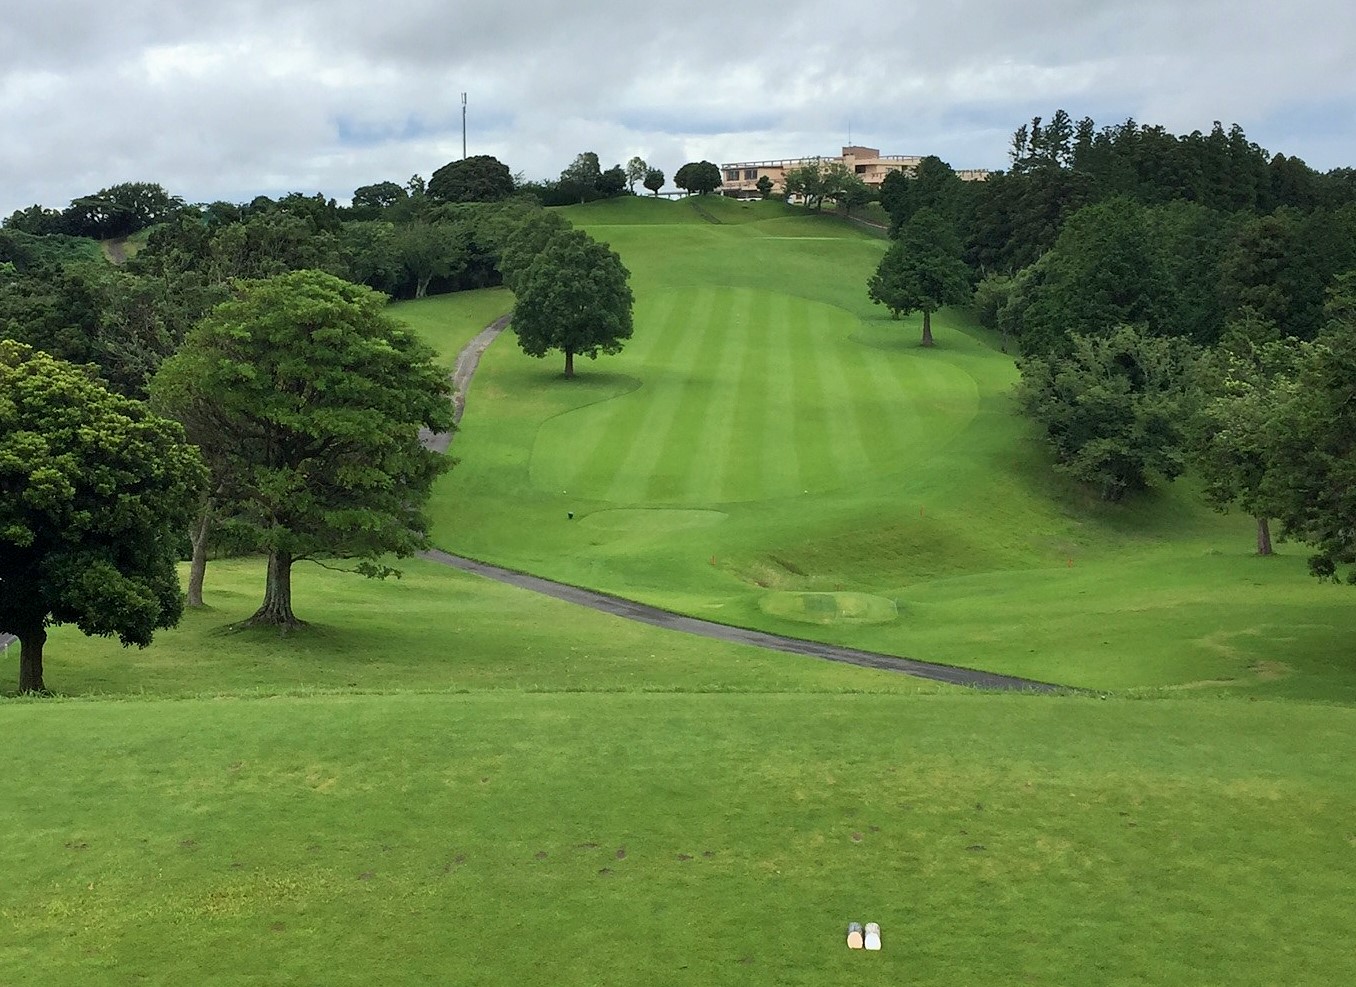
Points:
(1178, 302)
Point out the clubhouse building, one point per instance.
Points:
(740, 178)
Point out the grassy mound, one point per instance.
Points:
(830, 608)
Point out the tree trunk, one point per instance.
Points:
(421, 286)
(927, 328)
(569, 363)
(276, 610)
(31, 643)
(1263, 536)
(198, 567)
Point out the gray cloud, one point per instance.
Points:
(229, 99)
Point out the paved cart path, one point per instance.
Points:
(466, 364)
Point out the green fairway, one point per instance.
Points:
(768, 432)
(748, 396)
(582, 839)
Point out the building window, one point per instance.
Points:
(732, 175)
(860, 169)
(750, 174)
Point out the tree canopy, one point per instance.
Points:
(1115, 409)
(1311, 448)
(312, 399)
(96, 494)
(698, 177)
(479, 178)
(636, 170)
(574, 298)
(922, 271)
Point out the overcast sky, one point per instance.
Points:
(234, 98)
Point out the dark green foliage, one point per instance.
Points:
(1016, 218)
(1114, 409)
(931, 185)
(96, 494)
(308, 400)
(119, 211)
(579, 182)
(35, 221)
(698, 177)
(573, 297)
(922, 271)
(372, 199)
(479, 178)
(1311, 441)
(1103, 271)
(525, 240)
(764, 185)
(1282, 265)
(612, 182)
(654, 180)
(1242, 381)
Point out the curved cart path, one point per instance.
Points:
(467, 361)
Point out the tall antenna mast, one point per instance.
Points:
(463, 126)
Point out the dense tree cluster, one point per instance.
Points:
(1179, 302)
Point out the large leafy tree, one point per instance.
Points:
(1242, 382)
(1105, 270)
(574, 298)
(378, 196)
(636, 169)
(922, 271)
(479, 178)
(430, 250)
(612, 182)
(579, 181)
(525, 240)
(808, 181)
(698, 177)
(95, 495)
(308, 400)
(1115, 409)
(654, 180)
(1312, 454)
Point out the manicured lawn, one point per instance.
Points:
(769, 432)
(519, 839)
(434, 629)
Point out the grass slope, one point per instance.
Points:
(768, 434)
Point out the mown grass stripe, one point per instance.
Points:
(589, 447)
(843, 396)
(780, 474)
(636, 460)
(816, 458)
(886, 412)
(681, 475)
(727, 447)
